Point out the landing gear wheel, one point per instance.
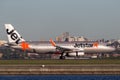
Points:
(62, 57)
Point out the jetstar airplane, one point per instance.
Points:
(73, 49)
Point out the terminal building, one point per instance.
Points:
(66, 37)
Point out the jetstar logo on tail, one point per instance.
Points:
(13, 35)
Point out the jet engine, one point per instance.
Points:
(74, 54)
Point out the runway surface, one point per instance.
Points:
(59, 69)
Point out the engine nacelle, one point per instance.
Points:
(74, 54)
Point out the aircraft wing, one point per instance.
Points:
(64, 49)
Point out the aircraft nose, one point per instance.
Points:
(112, 49)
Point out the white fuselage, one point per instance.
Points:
(46, 47)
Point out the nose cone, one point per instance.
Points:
(118, 49)
(111, 49)
(105, 48)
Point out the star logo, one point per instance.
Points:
(24, 46)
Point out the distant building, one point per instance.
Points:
(58, 38)
(66, 37)
(77, 39)
(82, 39)
(62, 37)
(2, 42)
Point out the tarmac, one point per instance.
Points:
(107, 69)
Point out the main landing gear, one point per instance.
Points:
(62, 56)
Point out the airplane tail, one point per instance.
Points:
(13, 35)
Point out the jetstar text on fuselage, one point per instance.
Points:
(83, 45)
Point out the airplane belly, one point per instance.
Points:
(99, 50)
(44, 49)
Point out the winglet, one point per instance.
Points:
(95, 44)
(52, 42)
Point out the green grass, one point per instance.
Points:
(60, 62)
